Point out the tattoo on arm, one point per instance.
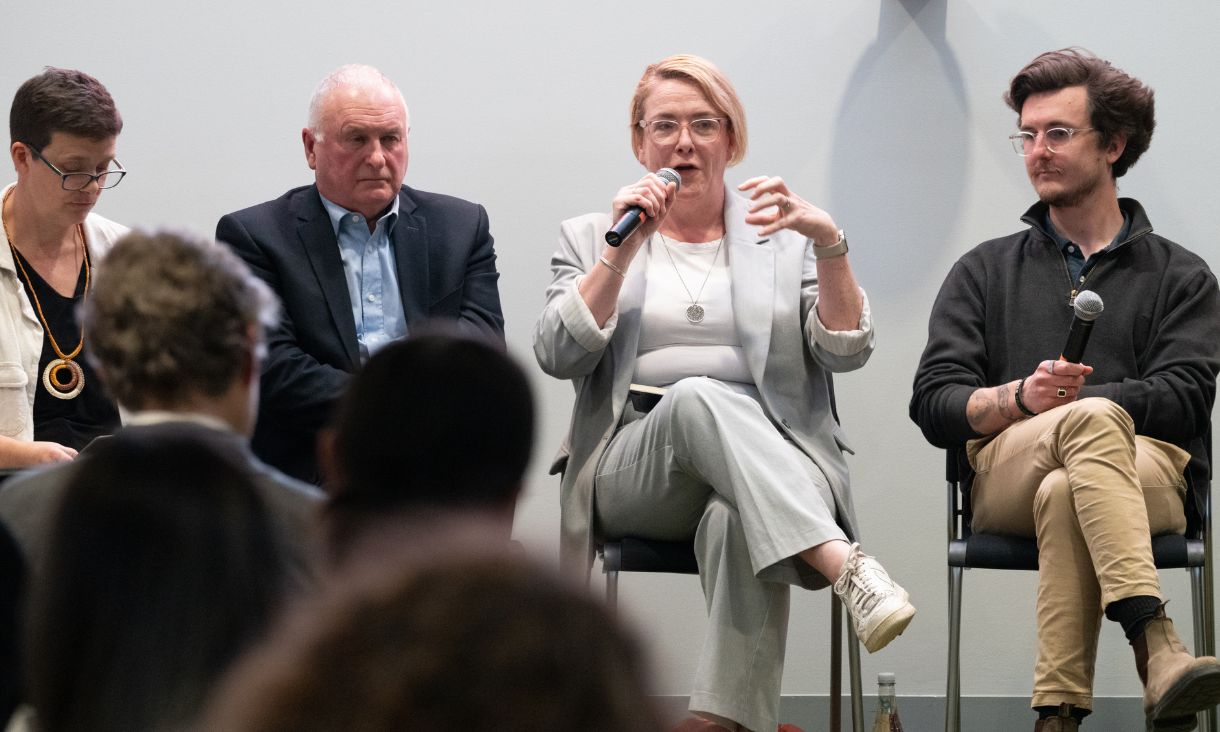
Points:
(989, 410)
(1002, 404)
(977, 410)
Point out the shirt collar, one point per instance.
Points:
(337, 212)
(147, 417)
(1119, 239)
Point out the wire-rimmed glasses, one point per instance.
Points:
(666, 131)
(1055, 139)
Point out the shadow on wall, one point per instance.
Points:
(901, 143)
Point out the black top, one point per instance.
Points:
(71, 422)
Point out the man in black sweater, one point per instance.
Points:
(1089, 459)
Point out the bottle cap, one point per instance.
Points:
(885, 677)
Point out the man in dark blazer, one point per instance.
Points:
(357, 259)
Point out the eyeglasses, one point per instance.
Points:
(80, 181)
(1055, 139)
(666, 131)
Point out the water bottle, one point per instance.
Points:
(887, 705)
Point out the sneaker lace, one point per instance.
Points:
(862, 584)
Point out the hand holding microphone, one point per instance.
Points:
(1055, 383)
(647, 200)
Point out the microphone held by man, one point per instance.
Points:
(1088, 306)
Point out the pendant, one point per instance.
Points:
(694, 313)
(63, 389)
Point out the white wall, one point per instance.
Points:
(886, 113)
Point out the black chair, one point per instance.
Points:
(968, 550)
(631, 554)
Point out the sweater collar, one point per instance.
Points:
(1138, 224)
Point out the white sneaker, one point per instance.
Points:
(878, 605)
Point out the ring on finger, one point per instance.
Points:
(1051, 368)
(1061, 393)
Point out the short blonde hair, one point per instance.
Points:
(710, 80)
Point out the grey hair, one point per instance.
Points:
(348, 75)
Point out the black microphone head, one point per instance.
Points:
(1087, 305)
(670, 175)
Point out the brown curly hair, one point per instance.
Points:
(1119, 104)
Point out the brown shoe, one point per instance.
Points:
(1177, 686)
(1063, 721)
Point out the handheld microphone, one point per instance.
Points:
(1088, 307)
(634, 216)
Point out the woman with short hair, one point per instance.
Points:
(736, 308)
(64, 127)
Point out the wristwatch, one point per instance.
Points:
(838, 249)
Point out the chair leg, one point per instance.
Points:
(836, 664)
(612, 592)
(1196, 604)
(1209, 621)
(853, 663)
(1202, 604)
(953, 688)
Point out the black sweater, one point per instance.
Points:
(1004, 308)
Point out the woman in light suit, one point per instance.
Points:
(738, 308)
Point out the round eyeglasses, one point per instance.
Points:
(1055, 139)
(666, 131)
(80, 181)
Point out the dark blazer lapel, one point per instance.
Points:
(411, 258)
(317, 235)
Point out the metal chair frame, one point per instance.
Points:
(968, 550)
(632, 554)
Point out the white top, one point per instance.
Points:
(671, 347)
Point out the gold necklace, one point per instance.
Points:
(694, 312)
(51, 374)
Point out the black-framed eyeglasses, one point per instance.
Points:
(80, 181)
(1055, 139)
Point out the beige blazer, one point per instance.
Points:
(21, 331)
(774, 291)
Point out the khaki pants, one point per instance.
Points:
(1093, 493)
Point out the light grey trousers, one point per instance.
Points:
(707, 461)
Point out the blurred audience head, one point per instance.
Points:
(454, 640)
(177, 322)
(12, 593)
(435, 423)
(162, 568)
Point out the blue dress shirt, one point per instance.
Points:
(372, 279)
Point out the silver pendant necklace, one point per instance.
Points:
(694, 312)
